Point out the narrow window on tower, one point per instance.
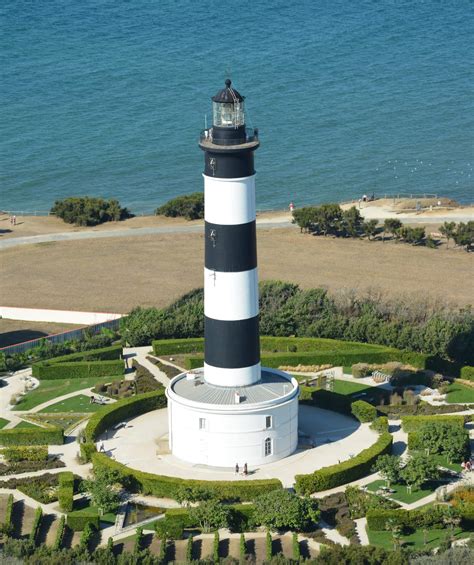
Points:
(268, 446)
(202, 423)
(268, 422)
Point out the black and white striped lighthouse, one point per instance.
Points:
(232, 348)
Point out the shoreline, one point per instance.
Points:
(34, 228)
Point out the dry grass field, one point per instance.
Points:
(17, 331)
(116, 274)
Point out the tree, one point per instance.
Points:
(448, 229)
(444, 437)
(104, 489)
(209, 515)
(370, 228)
(388, 466)
(391, 226)
(352, 222)
(281, 509)
(464, 235)
(394, 527)
(418, 470)
(186, 495)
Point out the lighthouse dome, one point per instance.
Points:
(228, 95)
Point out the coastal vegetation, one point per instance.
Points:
(330, 219)
(287, 310)
(89, 211)
(189, 206)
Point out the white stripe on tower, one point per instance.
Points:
(229, 201)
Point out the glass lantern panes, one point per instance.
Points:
(228, 114)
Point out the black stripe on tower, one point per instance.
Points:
(230, 248)
(229, 164)
(231, 344)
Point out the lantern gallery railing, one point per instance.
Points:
(251, 134)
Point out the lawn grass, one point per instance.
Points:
(84, 506)
(442, 461)
(64, 421)
(25, 424)
(459, 393)
(76, 404)
(401, 494)
(348, 388)
(48, 390)
(415, 540)
(3, 423)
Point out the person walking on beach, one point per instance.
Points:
(236, 468)
(246, 471)
(291, 207)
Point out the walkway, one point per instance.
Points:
(138, 232)
(140, 354)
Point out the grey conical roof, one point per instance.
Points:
(228, 95)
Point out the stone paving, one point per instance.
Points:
(337, 438)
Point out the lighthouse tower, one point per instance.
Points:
(232, 410)
(232, 349)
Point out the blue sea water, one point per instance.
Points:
(107, 97)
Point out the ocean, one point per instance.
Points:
(107, 97)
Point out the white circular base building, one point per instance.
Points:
(227, 425)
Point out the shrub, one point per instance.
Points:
(25, 436)
(363, 411)
(268, 547)
(163, 550)
(296, 547)
(215, 552)
(380, 424)
(414, 423)
(139, 539)
(345, 472)
(66, 491)
(189, 206)
(78, 522)
(170, 527)
(89, 211)
(7, 525)
(86, 536)
(467, 373)
(36, 524)
(360, 370)
(58, 542)
(242, 548)
(281, 509)
(23, 453)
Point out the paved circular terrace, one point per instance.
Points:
(142, 445)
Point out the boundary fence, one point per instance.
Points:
(77, 333)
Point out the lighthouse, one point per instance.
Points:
(232, 410)
(232, 350)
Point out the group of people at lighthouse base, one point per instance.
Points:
(245, 469)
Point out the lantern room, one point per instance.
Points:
(228, 108)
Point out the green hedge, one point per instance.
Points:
(66, 491)
(79, 370)
(32, 436)
(78, 522)
(414, 442)
(82, 364)
(176, 346)
(364, 411)
(8, 522)
(337, 358)
(121, 410)
(326, 399)
(377, 518)
(413, 423)
(168, 487)
(15, 454)
(345, 472)
(58, 542)
(467, 373)
(268, 343)
(36, 524)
